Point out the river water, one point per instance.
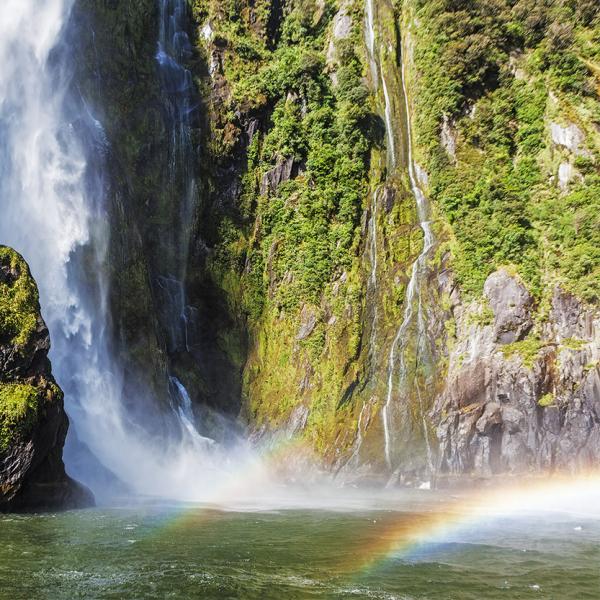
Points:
(389, 550)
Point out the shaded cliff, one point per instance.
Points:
(33, 424)
(134, 75)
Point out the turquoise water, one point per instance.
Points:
(194, 552)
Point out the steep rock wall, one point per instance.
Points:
(155, 261)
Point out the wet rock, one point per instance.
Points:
(448, 139)
(341, 29)
(569, 136)
(511, 303)
(33, 424)
(566, 173)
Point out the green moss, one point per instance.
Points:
(527, 349)
(573, 343)
(18, 411)
(19, 302)
(546, 400)
(484, 315)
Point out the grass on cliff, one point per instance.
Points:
(493, 70)
(18, 411)
(19, 302)
(302, 236)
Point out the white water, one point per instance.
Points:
(389, 126)
(370, 40)
(173, 49)
(373, 283)
(378, 75)
(52, 211)
(397, 366)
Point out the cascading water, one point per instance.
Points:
(370, 41)
(174, 49)
(52, 197)
(414, 321)
(376, 76)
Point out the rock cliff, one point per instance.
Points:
(520, 397)
(33, 424)
(298, 273)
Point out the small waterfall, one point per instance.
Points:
(414, 316)
(373, 284)
(377, 76)
(370, 41)
(389, 125)
(174, 49)
(185, 414)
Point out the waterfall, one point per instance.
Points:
(389, 126)
(370, 40)
(174, 49)
(378, 75)
(414, 311)
(52, 196)
(372, 283)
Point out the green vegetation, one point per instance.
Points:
(484, 316)
(18, 411)
(294, 247)
(573, 343)
(546, 400)
(308, 227)
(527, 349)
(493, 71)
(19, 303)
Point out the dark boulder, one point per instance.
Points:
(33, 423)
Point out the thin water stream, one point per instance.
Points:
(413, 321)
(414, 318)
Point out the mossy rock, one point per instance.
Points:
(19, 301)
(19, 404)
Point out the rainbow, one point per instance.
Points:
(400, 529)
(405, 531)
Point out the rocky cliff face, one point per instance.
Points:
(521, 397)
(508, 386)
(167, 315)
(33, 424)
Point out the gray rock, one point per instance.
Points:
(308, 322)
(448, 139)
(511, 303)
(498, 416)
(570, 136)
(273, 178)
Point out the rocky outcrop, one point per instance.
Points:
(279, 174)
(520, 398)
(511, 304)
(33, 424)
